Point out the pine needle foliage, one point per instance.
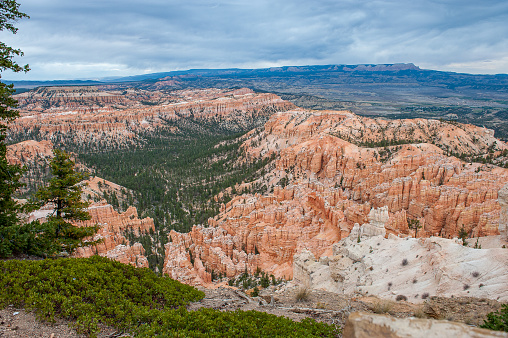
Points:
(9, 174)
(64, 193)
(90, 291)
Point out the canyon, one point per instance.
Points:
(323, 188)
(113, 225)
(332, 177)
(92, 119)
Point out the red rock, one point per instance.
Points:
(113, 229)
(334, 184)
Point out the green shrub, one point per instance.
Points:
(497, 320)
(90, 291)
(212, 323)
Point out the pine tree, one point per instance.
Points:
(9, 174)
(64, 193)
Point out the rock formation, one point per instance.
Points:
(413, 268)
(503, 218)
(334, 173)
(114, 226)
(334, 170)
(113, 229)
(30, 151)
(366, 325)
(91, 118)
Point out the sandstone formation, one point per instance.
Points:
(409, 267)
(503, 218)
(29, 152)
(334, 170)
(91, 118)
(35, 157)
(367, 325)
(114, 226)
(113, 229)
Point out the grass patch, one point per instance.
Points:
(382, 306)
(89, 291)
(302, 294)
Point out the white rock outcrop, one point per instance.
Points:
(407, 266)
(502, 198)
(367, 325)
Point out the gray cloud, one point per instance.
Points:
(86, 39)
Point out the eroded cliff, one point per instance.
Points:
(332, 171)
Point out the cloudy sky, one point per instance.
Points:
(69, 39)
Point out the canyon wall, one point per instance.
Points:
(89, 118)
(321, 187)
(113, 229)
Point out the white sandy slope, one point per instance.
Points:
(436, 266)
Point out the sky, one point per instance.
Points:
(90, 39)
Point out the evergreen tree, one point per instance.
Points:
(9, 174)
(414, 224)
(64, 193)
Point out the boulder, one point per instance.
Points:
(368, 325)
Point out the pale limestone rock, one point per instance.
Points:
(410, 267)
(356, 231)
(503, 217)
(310, 273)
(369, 325)
(377, 220)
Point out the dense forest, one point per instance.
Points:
(176, 178)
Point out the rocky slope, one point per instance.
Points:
(323, 186)
(113, 229)
(94, 119)
(114, 226)
(406, 268)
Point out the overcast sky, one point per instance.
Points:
(70, 39)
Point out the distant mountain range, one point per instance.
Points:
(393, 71)
(390, 90)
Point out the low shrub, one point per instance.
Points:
(302, 294)
(91, 291)
(498, 320)
(382, 306)
(212, 323)
(255, 292)
(84, 290)
(400, 297)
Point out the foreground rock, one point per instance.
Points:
(407, 268)
(367, 325)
